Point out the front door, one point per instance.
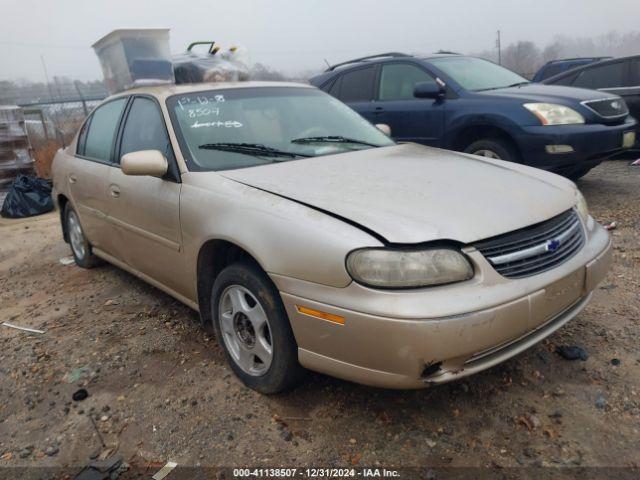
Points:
(411, 119)
(144, 209)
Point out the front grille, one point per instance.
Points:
(534, 249)
(608, 107)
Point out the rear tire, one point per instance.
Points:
(494, 148)
(253, 329)
(80, 247)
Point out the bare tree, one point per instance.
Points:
(522, 57)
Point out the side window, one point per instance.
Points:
(357, 85)
(635, 73)
(566, 81)
(101, 130)
(604, 76)
(335, 88)
(144, 128)
(552, 70)
(397, 81)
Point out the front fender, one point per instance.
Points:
(285, 237)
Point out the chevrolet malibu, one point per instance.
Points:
(308, 239)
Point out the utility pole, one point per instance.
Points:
(46, 76)
(499, 47)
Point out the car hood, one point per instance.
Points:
(536, 92)
(410, 194)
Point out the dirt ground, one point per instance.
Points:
(159, 388)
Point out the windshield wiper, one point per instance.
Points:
(332, 139)
(256, 149)
(504, 86)
(517, 84)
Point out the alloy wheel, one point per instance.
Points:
(245, 330)
(76, 236)
(487, 153)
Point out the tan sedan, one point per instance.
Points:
(309, 239)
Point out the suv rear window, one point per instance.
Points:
(355, 86)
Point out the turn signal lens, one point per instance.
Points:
(318, 314)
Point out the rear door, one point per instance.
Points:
(145, 210)
(411, 119)
(89, 171)
(356, 88)
(631, 91)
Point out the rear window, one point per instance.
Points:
(355, 86)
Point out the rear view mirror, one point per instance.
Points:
(144, 162)
(427, 90)
(384, 128)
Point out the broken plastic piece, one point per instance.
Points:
(611, 226)
(67, 260)
(635, 163)
(164, 471)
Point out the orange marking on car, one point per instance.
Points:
(322, 315)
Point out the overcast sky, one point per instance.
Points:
(291, 35)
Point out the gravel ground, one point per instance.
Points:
(159, 388)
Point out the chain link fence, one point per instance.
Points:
(53, 113)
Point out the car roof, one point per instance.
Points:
(576, 59)
(387, 57)
(164, 91)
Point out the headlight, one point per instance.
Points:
(389, 268)
(552, 114)
(581, 206)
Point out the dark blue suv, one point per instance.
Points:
(475, 106)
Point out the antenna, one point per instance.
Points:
(328, 64)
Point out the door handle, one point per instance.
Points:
(378, 110)
(114, 190)
(72, 179)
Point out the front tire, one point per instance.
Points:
(80, 247)
(577, 174)
(493, 148)
(253, 329)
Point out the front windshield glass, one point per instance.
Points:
(477, 74)
(245, 127)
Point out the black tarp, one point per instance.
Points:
(27, 196)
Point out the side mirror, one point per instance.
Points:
(144, 162)
(384, 128)
(427, 90)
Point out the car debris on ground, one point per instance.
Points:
(572, 353)
(24, 329)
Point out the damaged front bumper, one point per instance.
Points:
(413, 339)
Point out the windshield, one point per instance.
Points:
(477, 74)
(245, 127)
